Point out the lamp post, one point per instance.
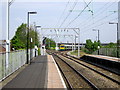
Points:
(78, 42)
(28, 14)
(36, 31)
(9, 4)
(35, 38)
(98, 37)
(117, 38)
(72, 42)
(78, 36)
(75, 43)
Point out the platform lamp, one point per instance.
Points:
(98, 37)
(35, 38)
(117, 38)
(28, 14)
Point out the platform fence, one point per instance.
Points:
(107, 52)
(15, 60)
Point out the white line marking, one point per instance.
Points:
(59, 72)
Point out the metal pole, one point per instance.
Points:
(9, 4)
(78, 42)
(56, 41)
(117, 39)
(117, 42)
(35, 43)
(35, 39)
(7, 37)
(27, 38)
(8, 25)
(35, 32)
(72, 43)
(75, 44)
(27, 62)
(98, 35)
(72, 38)
(30, 47)
(41, 38)
(98, 41)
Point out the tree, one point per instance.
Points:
(50, 43)
(91, 46)
(88, 45)
(111, 45)
(35, 38)
(19, 41)
(95, 45)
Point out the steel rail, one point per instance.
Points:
(69, 85)
(112, 71)
(118, 82)
(85, 78)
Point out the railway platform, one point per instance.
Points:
(109, 63)
(114, 59)
(41, 73)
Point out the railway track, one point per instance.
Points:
(97, 65)
(105, 78)
(110, 75)
(71, 74)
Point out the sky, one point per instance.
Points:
(0, 20)
(49, 13)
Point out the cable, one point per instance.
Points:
(99, 12)
(80, 13)
(10, 2)
(88, 7)
(99, 25)
(75, 3)
(63, 12)
(99, 20)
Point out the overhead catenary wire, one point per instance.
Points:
(75, 3)
(99, 12)
(79, 13)
(63, 13)
(89, 18)
(103, 18)
(88, 7)
(10, 2)
(97, 26)
(86, 31)
(61, 17)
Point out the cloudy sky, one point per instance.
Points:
(52, 13)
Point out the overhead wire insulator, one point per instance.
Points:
(91, 11)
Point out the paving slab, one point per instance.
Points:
(41, 73)
(55, 79)
(33, 76)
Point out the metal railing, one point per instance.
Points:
(15, 60)
(107, 52)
